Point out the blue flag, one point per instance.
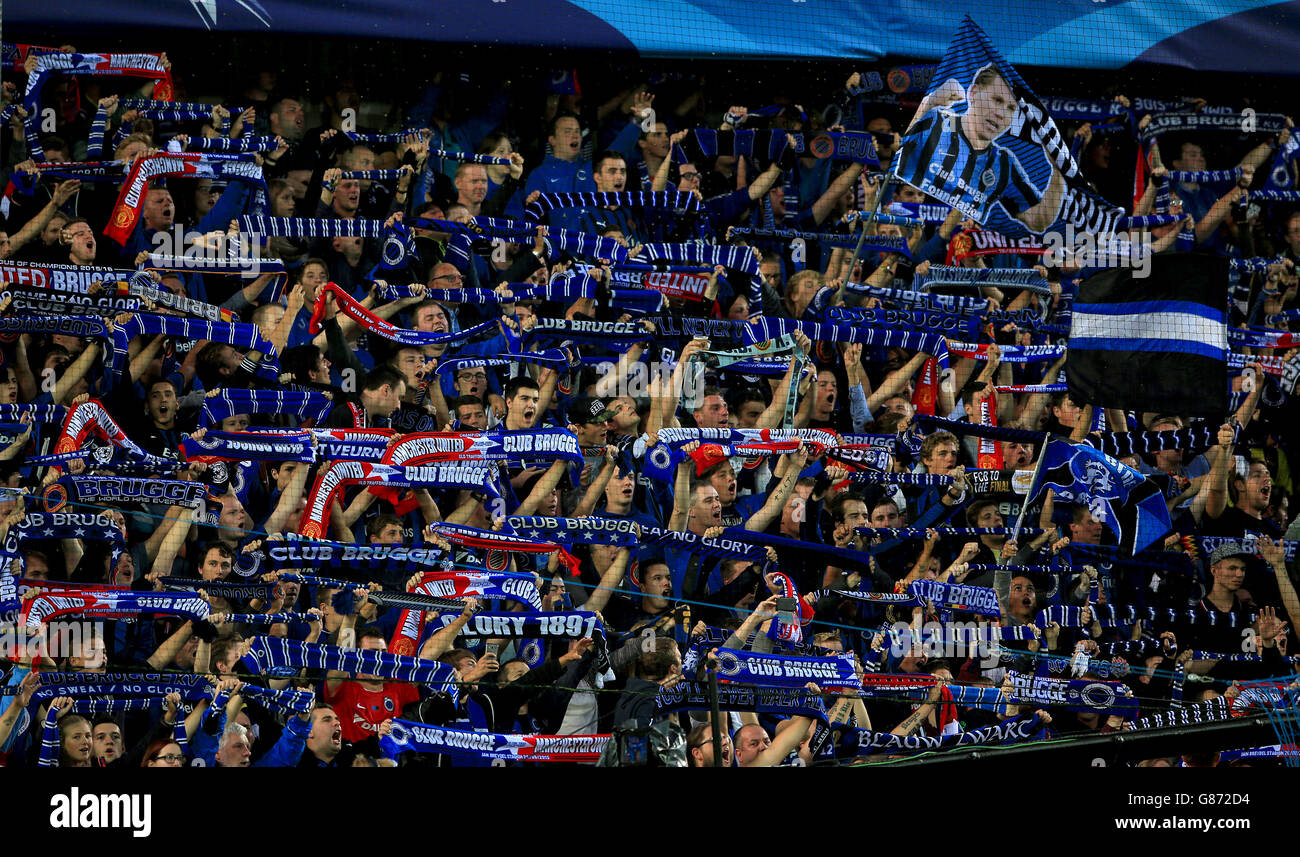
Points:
(982, 142)
(1129, 505)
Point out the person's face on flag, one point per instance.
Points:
(991, 112)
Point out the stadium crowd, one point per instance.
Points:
(332, 494)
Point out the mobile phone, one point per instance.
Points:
(785, 610)
(493, 649)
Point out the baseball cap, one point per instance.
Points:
(1228, 549)
(589, 409)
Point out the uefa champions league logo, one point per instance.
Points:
(207, 11)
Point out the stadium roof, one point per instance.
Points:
(1206, 35)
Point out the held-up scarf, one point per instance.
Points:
(1179, 121)
(105, 604)
(568, 289)
(864, 742)
(788, 632)
(381, 327)
(553, 357)
(249, 446)
(238, 334)
(763, 329)
(920, 300)
(130, 201)
(589, 530)
(229, 590)
(872, 243)
(116, 64)
(679, 281)
(63, 525)
(1019, 278)
(1249, 542)
(405, 560)
(231, 401)
(180, 303)
(152, 685)
(1104, 697)
(1010, 353)
(1197, 437)
(984, 242)
(98, 490)
(407, 736)
(783, 701)
(35, 302)
(1124, 615)
(558, 626)
(949, 324)
(487, 584)
(957, 596)
(612, 333)
(497, 445)
(310, 227)
(91, 417)
(282, 658)
(238, 145)
(548, 202)
(59, 277)
(721, 548)
(515, 232)
(836, 671)
(337, 474)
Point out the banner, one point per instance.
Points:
(982, 142)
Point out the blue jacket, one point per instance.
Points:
(556, 176)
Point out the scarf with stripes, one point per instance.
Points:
(949, 324)
(238, 334)
(515, 232)
(238, 145)
(338, 474)
(957, 596)
(111, 64)
(145, 289)
(117, 684)
(90, 417)
(782, 701)
(130, 200)
(108, 604)
(227, 402)
(408, 735)
(830, 673)
(1180, 121)
(281, 658)
(764, 329)
(516, 447)
(483, 585)
(872, 243)
(553, 357)
(865, 742)
(719, 548)
(589, 530)
(545, 203)
(1124, 615)
(372, 323)
(567, 289)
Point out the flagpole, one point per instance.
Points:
(1033, 483)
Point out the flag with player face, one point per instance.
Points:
(1129, 505)
(982, 142)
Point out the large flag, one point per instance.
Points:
(982, 142)
(1154, 343)
(1129, 505)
